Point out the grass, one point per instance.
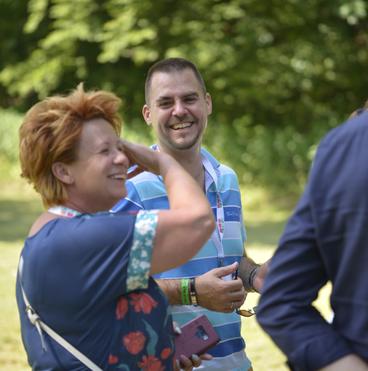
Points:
(19, 205)
(265, 219)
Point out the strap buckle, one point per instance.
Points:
(35, 320)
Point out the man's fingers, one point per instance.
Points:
(225, 271)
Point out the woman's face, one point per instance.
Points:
(100, 170)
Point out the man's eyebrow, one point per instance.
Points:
(166, 98)
(163, 98)
(194, 93)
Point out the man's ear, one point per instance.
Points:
(62, 172)
(208, 103)
(146, 112)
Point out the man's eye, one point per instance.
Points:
(165, 104)
(190, 100)
(104, 150)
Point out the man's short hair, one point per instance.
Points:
(171, 65)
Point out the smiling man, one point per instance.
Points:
(177, 107)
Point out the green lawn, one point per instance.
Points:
(19, 206)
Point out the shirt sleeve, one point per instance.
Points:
(141, 251)
(296, 275)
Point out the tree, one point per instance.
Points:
(281, 72)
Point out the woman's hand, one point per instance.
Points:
(185, 363)
(141, 158)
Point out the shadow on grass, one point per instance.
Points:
(16, 217)
(264, 233)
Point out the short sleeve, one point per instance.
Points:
(141, 250)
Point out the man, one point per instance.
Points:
(325, 240)
(177, 107)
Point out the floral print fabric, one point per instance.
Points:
(144, 327)
(141, 251)
(144, 332)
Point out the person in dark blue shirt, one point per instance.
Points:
(84, 292)
(326, 239)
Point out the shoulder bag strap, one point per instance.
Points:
(40, 325)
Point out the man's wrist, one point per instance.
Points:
(193, 292)
(251, 278)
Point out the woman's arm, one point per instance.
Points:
(187, 225)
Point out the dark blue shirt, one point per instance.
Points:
(88, 279)
(325, 240)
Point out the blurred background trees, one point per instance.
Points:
(281, 72)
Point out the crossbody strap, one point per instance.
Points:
(35, 319)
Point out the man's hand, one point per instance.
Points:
(252, 274)
(216, 294)
(260, 276)
(349, 362)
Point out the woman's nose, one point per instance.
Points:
(121, 158)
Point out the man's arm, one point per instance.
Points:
(285, 309)
(213, 292)
(349, 362)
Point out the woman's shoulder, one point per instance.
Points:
(40, 222)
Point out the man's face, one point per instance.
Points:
(177, 110)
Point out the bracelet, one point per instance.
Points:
(185, 297)
(193, 292)
(251, 277)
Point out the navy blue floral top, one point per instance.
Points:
(88, 279)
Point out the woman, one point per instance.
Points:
(86, 272)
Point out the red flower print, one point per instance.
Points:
(134, 342)
(165, 353)
(142, 302)
(113, 360)
(151, 363)
(121, 308)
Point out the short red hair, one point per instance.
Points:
(50, 133)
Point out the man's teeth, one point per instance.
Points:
(118, 176)
(181, 126)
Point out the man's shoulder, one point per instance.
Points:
(352, 128)
(222, 168)
(147, 190)
(145, 176)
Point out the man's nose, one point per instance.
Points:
(179, 109)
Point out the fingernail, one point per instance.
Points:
(178, 330)
(195, 358)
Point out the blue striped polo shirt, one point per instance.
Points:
(147, 191)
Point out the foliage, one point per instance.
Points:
(279, 158)
(285, 68)
(10, 121)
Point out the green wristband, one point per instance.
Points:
(185, 297)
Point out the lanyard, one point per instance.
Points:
(218, 233)
(212, 175)
(64, 211)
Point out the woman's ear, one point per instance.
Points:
(61, 171)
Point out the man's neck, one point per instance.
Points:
(191, 160)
